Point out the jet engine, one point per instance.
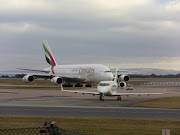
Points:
(57, 80)
(28, 78)
(124, 78)
(122, 85)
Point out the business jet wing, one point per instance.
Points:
(82, 92)
(127, 94)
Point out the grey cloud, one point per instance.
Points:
(80, 33)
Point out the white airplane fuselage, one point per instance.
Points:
(108, 88)
(86, 72)
(78, 73)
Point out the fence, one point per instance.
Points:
(52, 129)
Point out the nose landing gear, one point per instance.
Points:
(101, 97)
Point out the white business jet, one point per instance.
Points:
(69, 73)
(109, 88)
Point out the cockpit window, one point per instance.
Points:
(104, 84)
(108, 71)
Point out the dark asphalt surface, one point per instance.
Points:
(100, 112)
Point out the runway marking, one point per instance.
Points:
(161, 83)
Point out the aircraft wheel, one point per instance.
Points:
(118, 98)
(101, 97)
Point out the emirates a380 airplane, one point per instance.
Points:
(70, 73)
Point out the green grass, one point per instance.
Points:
(47, 82)
(36, 85)
(98, 126)
(147, 79)
(38, 88)
(136, 82)
(20, 82)
(169, 102)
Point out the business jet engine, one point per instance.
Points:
(28, 78)
(124, 78)
(122, 85)
(57, 80)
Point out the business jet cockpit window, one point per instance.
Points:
(104, 84)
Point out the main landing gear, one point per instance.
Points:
(119, 98)
(101, 97)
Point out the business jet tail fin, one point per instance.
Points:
(116, 75)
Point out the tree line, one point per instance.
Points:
(154, 76)
(131, 76)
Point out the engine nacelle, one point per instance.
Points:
(122, 85)
(28, 78)
(124, 78)
(57, 80)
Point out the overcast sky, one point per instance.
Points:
(117, 33)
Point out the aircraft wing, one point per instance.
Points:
(48, 76)
(36, 75)
(117, 94)
(34, 70)
(65, 78)
(82, 92)
(121, 72)
(127, 94)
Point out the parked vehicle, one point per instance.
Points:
(129, 87)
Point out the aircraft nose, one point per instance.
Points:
(111, 76)
(102, 89)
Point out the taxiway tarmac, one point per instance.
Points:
(100, 112)
(55, 98)
(58, 103)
